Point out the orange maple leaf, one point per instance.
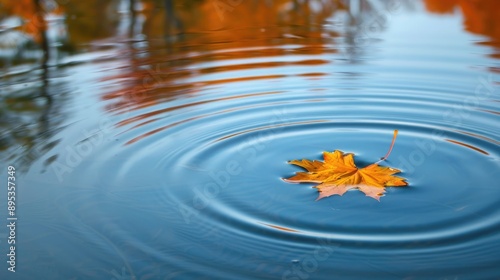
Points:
(338, 173)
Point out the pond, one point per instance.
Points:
(150, 139)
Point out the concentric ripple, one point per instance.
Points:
(221, 149)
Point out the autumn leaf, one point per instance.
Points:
(338, 174)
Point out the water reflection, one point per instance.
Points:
(156, 76)
(479, 17)
(363, 23)
(25, 27)
(30, 113)
(194, 33)
(94, 21)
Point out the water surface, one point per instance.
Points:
(152, 143)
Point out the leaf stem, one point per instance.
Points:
(392, 145)
(390, 148)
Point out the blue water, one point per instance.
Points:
(146, 155)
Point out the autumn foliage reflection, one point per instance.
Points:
(166, 48)
(183, 43)
(480, 17)
(31, 14)
(187, 42)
